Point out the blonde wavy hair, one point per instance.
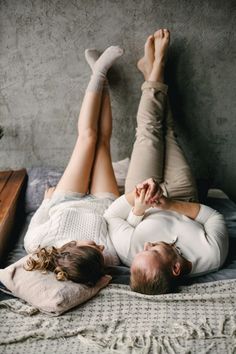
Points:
(81, 264)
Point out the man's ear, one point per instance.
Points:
(176, 269)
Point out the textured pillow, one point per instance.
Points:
(41, 177)
(44, 291)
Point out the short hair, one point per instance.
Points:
(162, 282)
(81, 264)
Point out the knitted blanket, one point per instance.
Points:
(198, 319)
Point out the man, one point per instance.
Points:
(157, 227)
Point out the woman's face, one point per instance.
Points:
(90, 244)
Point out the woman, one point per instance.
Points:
(70, 219)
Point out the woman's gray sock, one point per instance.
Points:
(92, 56)
(101, 66)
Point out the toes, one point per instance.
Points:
(150, 38)
(162, 33)
(166, 32)
(115, 48)
(158, 34)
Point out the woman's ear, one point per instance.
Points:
(176, 269)
(101, 247)
(103, 281)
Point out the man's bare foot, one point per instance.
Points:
(161, 43)
(146, 62)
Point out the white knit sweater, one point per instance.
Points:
(55, 224)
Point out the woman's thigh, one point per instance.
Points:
(77, 173)
(103, 178)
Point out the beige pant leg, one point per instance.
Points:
(148, 151)
(179, 181)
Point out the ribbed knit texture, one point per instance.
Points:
(92, 56)
(82, 219)
(102, 65)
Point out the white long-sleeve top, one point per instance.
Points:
(203, 241)
(55, 224)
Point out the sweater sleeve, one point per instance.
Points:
(41, 215)
(133, 219)
(215, 228)
(120, 208)
(120, 230)
(36, 230)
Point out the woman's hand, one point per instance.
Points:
(140, 203)
(49, 192)
(153, 190)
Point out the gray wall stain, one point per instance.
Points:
(43, 76)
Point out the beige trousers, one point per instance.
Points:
(156, 152)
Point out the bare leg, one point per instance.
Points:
(103, 178)
(147, 158)
(77, 173)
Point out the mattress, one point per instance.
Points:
(39, 178)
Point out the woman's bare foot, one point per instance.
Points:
(146, 62)
(161, 43)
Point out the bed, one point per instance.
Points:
(198, 318)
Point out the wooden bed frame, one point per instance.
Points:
(11, 185)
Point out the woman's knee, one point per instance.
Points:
(103, 140)
(88, 134)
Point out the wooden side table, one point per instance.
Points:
(11, 183)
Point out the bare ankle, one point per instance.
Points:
(156, 75)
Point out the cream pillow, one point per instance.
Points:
(44, 291)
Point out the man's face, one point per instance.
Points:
(154, 256)
(165, 251)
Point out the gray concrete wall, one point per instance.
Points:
(43, 75)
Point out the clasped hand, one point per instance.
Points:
(147, 195)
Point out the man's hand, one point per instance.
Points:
(188, 209)
(153, 190)
(163, 203)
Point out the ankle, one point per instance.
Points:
(157, 73)
(156, 77)
(159, 61)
